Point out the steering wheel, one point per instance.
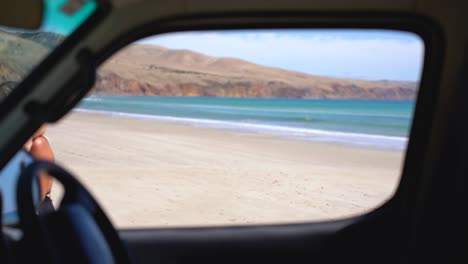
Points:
(77, 232)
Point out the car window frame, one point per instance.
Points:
(430, 32)
(39, 72)
(427, 29)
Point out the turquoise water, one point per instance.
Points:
(382, 124)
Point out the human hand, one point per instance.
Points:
(40, 149)
(38, 133)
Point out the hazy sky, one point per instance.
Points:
(363, 54)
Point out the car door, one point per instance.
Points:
(406, 228)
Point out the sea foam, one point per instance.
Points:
(297, 133)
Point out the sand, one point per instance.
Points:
(148, 173)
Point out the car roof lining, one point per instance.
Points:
(21, 14)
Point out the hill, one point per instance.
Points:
(18, 55)
(154, 70)
(46, 39)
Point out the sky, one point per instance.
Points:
(358, 54)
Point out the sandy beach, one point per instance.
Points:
(148, 173)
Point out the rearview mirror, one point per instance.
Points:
(24, 14)
(8, 186)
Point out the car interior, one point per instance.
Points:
(424, 221)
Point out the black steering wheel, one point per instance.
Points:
(77, 232)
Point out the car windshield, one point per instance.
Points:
(22, 50)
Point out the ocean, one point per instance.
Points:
(374, 124)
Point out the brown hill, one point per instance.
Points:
(154, 70)
(18, 56)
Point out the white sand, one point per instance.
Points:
(149, 173)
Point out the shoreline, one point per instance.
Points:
(148, 173)
(272, 130)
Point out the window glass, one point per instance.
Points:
(22, 50)
(246, 127)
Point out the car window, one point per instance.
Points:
(246, 127)
(22, 50)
